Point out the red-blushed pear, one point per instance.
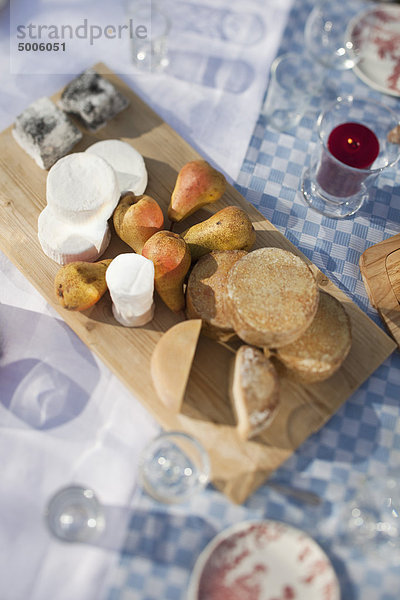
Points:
(171, 258)
(136, 219)
(197, 184)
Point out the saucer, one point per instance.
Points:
(263, 560)
(375, 34)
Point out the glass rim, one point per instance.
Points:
(165, 435)
(351, 99)
(292, 55)
(188, 437)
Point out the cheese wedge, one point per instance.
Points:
(64, 242)
(272, 297)
(130, 280)
(323, 347)
(172, 360)
(82, 188)
(254, 391)
(127, 163)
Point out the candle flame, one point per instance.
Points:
(353, 143)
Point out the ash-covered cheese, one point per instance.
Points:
(65, 243)
(93, 99)
(128, 164)
(82, 188)
(45, 132)
(130, 280)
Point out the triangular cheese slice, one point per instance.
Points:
(172, 360)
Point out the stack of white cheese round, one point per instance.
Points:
(82, 192)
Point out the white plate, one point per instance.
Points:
(263, 560)
(376, 35)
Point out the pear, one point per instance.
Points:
(171, 259)
(136, 219)
(197, 184)
(79, 285)
(228, 229)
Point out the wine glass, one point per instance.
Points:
(327, 37)
(173, 467)
(74, 514)
(329, 44)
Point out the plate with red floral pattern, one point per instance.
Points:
(376, 35)
(263, 560)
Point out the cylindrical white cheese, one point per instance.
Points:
(130, 280)
(127, 163)
(65, 243)
(82, 188)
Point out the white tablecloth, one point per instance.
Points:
(64, 418)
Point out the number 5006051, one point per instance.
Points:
(41, 46)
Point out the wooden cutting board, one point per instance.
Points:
(380, 269)
(238, 467)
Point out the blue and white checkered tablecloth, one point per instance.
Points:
(363, 437)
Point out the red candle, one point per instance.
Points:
(354, 145)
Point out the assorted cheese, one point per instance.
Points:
(65, 243)
(127, 163)
(82, 192)
(82, 188)
(309, 331)
(45, 132)
(130, 280)
(93, 99)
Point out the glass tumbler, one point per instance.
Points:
(371, 519)
(150, 27)
(173, 467)
(74, 514)
(291, 86)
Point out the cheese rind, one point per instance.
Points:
(254, 391)
(82, 188)
(171, 362)
(65, 243)
(45, 132)
(272, 297)
(321, 350)
(128, 164)
(130, 280)
(93, 99)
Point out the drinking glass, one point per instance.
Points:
(173, 467)
(330, 46)
(151, 26)
(74, 514)
(371, 519)
(291, 86)
(332, 187)
(327, 37)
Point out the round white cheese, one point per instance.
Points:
(65, 243)
(130, 280)
(127, 163)
(81, 188)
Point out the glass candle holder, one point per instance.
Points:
(352, 150)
